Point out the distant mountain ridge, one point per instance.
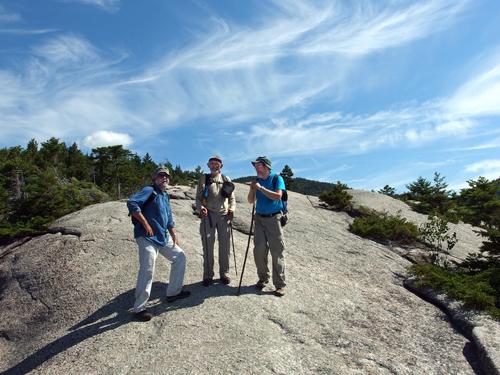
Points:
(300, 185)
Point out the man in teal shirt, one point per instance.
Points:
(268, 236)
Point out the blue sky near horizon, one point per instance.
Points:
(369, 92)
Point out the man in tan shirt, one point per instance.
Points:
(216, 212)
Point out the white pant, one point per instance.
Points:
(147, 257)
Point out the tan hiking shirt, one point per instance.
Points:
(215, 201)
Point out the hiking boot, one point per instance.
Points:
(261, 284)
(207, 282)
(279, 292)
(143, 316)
(181, 295)
(225, 280)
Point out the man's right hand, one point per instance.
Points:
(203, 212)
(149, 230)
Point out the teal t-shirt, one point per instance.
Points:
(266, 206)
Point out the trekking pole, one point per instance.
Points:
(234, 252)
(246, 253)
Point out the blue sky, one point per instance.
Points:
(365, 92)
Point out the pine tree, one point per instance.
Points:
(432, 198)
(419, 189)
(53, 154)
(148, 167)
(111, 169)
(78, 165)
(481, 207)
(287, 175)
(31, 152)
(198, 172)
(387, 190)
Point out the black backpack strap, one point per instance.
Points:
(284, 193)
(208, 179)
(275, 182)
(146, 203)
(150, 199)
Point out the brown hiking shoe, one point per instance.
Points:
(261, 284)
(225, 280)
(279, 292)
(207, 282)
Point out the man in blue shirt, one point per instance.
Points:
(268, 236)
(154, 232)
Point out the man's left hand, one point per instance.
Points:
(230, 215)
(255, 185)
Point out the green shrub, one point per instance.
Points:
(46, 201)
(480, 291)
(435, 234)
(384, 227)
(338, 197)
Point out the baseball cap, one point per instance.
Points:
(215, 158)
(161, 170)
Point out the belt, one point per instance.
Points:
(269, 215)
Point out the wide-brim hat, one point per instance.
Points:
(264, 160)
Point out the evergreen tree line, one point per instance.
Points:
(41, 183)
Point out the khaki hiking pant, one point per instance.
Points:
(215, 222)
(268, 237)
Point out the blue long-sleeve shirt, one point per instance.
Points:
(157, 212)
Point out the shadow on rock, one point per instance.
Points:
(116, 313)
(471, 355)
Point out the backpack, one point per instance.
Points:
(227, 186)
(284, 202)
(144, 205)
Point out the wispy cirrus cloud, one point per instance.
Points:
(108, 5)
(9, 20)
(6, 16)
(456, 117)
(296, 53)
(355, 134)
(64, 89)
(367, 27)
(305, 28)
(237, 74)
(19, 31)
(480, 96)
(489, 166)
(66, 49)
